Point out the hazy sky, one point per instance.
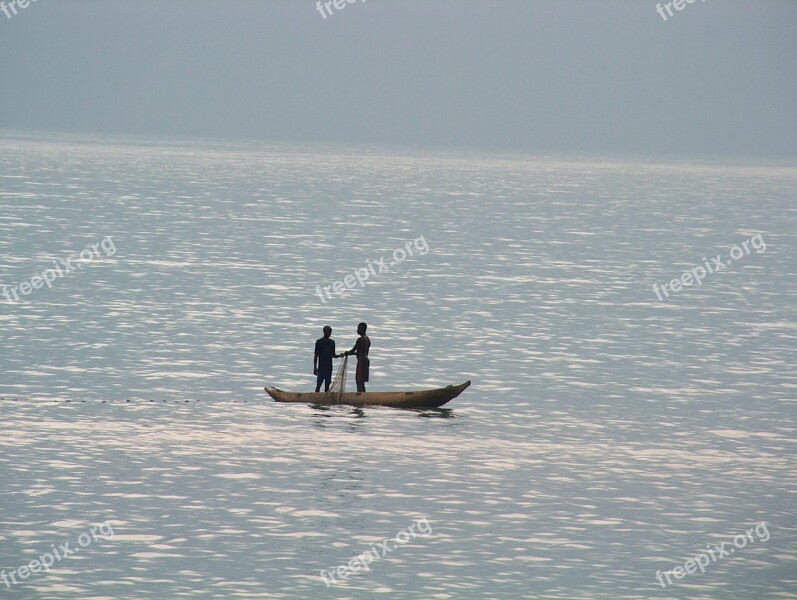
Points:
(598, 76)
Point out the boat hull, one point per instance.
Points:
(418, 399)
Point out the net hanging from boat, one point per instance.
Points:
(339, 383)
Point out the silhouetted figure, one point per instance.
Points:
(361, 347)
(322, 360)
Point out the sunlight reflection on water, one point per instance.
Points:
(606, 435)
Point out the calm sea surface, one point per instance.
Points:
(607, 435)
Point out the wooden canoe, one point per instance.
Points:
(419, 399)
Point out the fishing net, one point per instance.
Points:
(339, 383)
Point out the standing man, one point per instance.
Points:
(361, 347)
(322, 360)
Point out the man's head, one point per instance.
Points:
(327, 331)
(361, 328)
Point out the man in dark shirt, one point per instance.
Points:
(322, 360)
(361, 348)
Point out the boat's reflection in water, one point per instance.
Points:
(358, 412)
(435, 413)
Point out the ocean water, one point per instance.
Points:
(607, 434)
